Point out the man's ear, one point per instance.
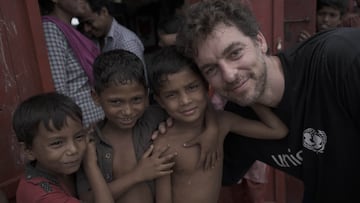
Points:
(95, 97)
(261, 41)
(28, 153)
(104, 11)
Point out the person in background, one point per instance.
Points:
(314, 88)
(71, 54)
(329, 15)
(170, 20)
(352, 18)
(49, 129)
(128, 161)
(99, 23)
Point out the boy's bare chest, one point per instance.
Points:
(124, 159)
(187, 158)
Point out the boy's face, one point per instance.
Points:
(327, 17)
(183, 96)
(123, 104)
(59, 152)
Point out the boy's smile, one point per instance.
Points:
(59, 152)
(183, 96)
(123, 104)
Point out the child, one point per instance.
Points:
(122, 138)
(49, 128)
(180, 89)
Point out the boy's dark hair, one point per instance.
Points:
(165, 61)
(51, 109)
(97, 5)
(340, 5)
(169, 20)
(117, 67)
(202, 17)
(46, 6)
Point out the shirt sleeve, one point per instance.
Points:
(135, 47)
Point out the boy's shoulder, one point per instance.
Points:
(38, 186)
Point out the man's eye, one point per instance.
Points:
(211, 70)
(235, 54)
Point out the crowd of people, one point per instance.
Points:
(91, 140)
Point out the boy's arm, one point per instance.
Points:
(152, 165)
(269, 126)
(163, 189)
(97, 182)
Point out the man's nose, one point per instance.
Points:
(228, 72)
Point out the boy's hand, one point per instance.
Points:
(153, 165)
(162, 128)
(303, 35)
(208, 150)
(90, 156)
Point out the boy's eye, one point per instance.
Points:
(169, 95)
(57, 143)
(80, 137)
(116, 102)
(193, 87)
(137, 100)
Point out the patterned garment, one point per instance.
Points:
(36, 186)
(68, 76)
(120, 37)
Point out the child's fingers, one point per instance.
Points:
(213, 159)
(169, 122)
(167, 166)
(159, 151)
(192, 142)
(162, 128)
(154, 135)
(148, 151)
(168, 157)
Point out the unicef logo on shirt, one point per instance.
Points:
(314, 140)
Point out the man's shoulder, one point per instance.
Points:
(124, 31)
